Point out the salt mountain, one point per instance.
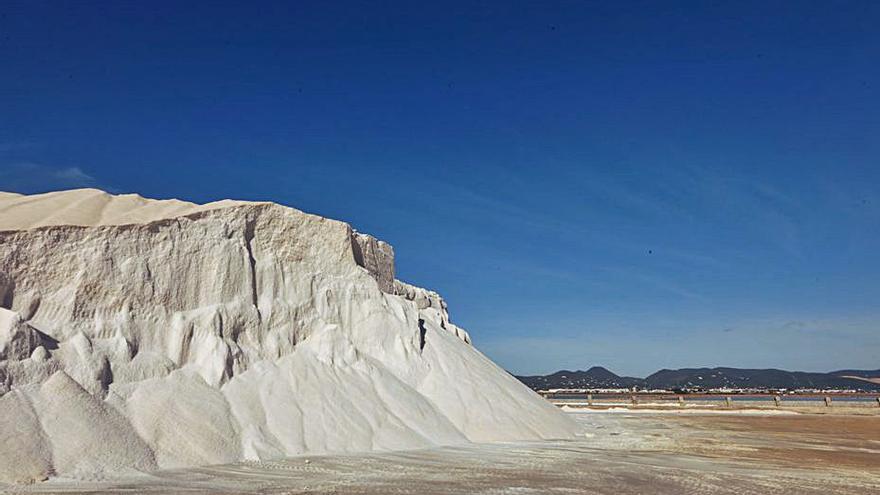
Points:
(139, 334)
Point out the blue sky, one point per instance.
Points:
(633, 184)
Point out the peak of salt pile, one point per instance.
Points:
(138, 334)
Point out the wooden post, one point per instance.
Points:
(590, 400)
(827, 401)
(777, 400)
(681, 400)
(727, 400)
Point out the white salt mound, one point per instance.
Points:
(138, 334)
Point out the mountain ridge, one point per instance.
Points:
(598, 377)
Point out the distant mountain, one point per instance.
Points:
(595, 377)
(709, 378)
(750, 378)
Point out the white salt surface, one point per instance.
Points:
(620, 455)
(139, 334)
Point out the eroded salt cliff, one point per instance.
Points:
(139, 334)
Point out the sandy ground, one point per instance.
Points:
(620, 453)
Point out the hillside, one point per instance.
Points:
(595, 377)
(708, 378)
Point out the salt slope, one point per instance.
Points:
(138, 334)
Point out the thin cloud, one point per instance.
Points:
(754, 205)
(658, 282)
(74, 175)
(28, 177)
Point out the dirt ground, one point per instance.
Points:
(838, 442)
(620, 452)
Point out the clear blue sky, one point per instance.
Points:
(633, 184)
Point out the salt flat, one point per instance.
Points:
(619, 453)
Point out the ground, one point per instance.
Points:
(622, 452)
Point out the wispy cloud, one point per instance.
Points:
(28, 177)
(749, 203)
(73, 175)
(697, 195)
(642, 277)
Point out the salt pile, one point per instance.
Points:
(138, 334)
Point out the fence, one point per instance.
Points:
(712, 400)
